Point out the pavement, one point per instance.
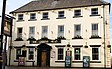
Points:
(16, 67)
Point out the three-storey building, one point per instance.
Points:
(46, 31)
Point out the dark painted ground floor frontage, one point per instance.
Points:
(16, 67)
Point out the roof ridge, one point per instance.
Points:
(52, 4)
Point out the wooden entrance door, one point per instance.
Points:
(43, 59)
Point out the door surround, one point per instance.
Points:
(45, 62)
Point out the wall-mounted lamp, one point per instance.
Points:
(109, 46)
(85, 46)
(68, 45)
(24, 46)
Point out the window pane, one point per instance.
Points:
(95, 54)
(77, 30)
(60, 53)
(45, 15)
(94, 11)
(44, 31)
(77, 12)
(31, 32)
(94, 29)
(31, 53)
(20, 17)
(32, 16)
(61, 14)
(77, 53)
(19, 32)
(61, 31)
(18, 53)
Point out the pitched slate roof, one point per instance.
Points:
(57, 4)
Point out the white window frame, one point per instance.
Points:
(20, 17)
(44, 34)
(45, 15)
(94, 11)
(29, 54)
(96, 34)
(19, 35)
(62, 33)
(75, 34)
(98, 54)
(30, 33)
(16, 53)
(32, 17)
(76, 12)
(80, 53)
(61, 15)
(63, 53)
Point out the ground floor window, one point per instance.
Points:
(95, 53)
(18, 53)
(31, 54)
(60, 53)
(77, 54)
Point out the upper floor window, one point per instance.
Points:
(45, 15)
(31, 53)
(94, 11)
(61, 14)
(32, 16)
(61, 31)
(60, 53)
(77, 30)
(77, 13)
(18, 53)
(77, 54)
(20, 17)
(19, 32)
(44, 31)
(94, 29)
(31, 32)
(95, 53)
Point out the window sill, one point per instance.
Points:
(32, 19)
(30, 61)
(78, 61)
(77, 16)
(95, 38)
(60, 61)
(18, 39)
(20, 20)
(45, 19)
(61, 18)
(95, 61)
(77, 38)
(95, 15)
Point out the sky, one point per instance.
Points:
(14, 4)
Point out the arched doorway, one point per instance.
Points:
(43, 55)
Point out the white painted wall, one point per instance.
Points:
(68, 23)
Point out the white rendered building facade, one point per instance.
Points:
(43, 36)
